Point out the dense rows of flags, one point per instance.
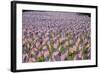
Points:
(57, 42)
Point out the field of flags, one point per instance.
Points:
(49, 36)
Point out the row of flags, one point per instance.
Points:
(57, 48)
